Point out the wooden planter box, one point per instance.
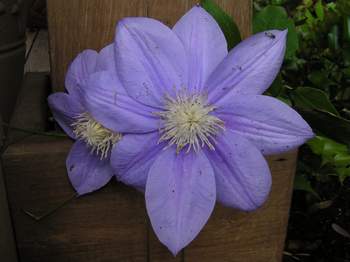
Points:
(111, 224)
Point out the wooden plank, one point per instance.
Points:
(32, 110)
(38, 59)
(30, 37)
(109, 225)
(258, 236)
(167, 11)
(82, 26)
(241, 11)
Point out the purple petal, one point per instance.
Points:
(180, 196)
(151, 60)
(106, 59)
(250, 67)
(242, 176)
(65, 108)
(106, 101)
(271, 125)
(86, 171)
(133, 156)
(204, 42)
(79, 70)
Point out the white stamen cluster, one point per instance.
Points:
(99, 138)
(188, 122)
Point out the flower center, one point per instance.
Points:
(188, 122)
(99, 138)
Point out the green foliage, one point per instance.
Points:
(328, 124)
(316, 82)
(315, 78)
(344, 7)
(275, 17)
(302, 183)
(226, 23)
(313, 98)
(333, 153)
(319, 10)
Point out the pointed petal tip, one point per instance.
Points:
(278, 34)
(309, 134)
(174, 250)
(306, 131)
(284, 33)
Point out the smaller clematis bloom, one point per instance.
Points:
(194, 121)
(88, 160)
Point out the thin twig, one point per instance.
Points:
(51, 211)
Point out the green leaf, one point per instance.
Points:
(342, 159)
(278, 2)
(332, 148)
(343, 173)
(310, 18)
(326, 148)
(284, 100)
(336, 154)
(319, 79)
(312, 98)
(316, 144)
(226, 23)
(275, 17)
(319, 10)
(301, 183)
(343, 6)
(328, 124)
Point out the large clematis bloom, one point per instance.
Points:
(88, 160)
(194, 121)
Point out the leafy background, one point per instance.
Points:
(315, 81)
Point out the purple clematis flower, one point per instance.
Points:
(88, 161)
(194, 121)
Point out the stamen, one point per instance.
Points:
(188, 122)
(99, 138)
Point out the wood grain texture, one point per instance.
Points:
(32, 110)
(81, 24)
(109, 225)
(38, 58)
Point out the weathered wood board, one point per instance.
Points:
(81, 24)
